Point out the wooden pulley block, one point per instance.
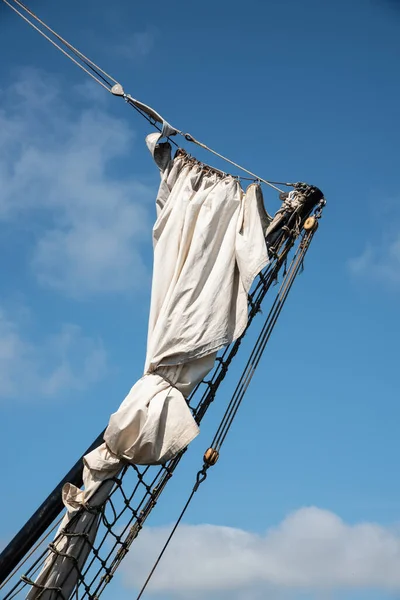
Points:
(211, 456)
(310, 224)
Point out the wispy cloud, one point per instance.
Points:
(87, 225)
(312, 549)
(379, 262)
(137, 45)
(60, 362)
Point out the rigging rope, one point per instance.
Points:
(190, 138)
(108, 83)
(54, 43)
(201, 476)
(98, 70)
(258, 349)
(32, 551)
(140, 512)
(212, 454)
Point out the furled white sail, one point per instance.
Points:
(209, 244)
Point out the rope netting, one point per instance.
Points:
(136, 490)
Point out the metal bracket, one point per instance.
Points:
(118, 90)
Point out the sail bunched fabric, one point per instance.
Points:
(154, 421)
(209, 245)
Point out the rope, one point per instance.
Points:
(141, 511)
(148, 118)
(102, 78)
(190, 138)
(201, 476)
(259, 347)
(56, 45)
(241, 389)
(67, 44)
(40, 542)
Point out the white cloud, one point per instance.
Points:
(136, 45)
(379, 262)
(312, 549)
(87, 225)
(61, 362)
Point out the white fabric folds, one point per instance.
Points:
(209, 244)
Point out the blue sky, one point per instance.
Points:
(294, 91)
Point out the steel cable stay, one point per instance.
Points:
(48, 38)
(111, 85)
(89, 63)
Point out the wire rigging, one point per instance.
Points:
(140, 514)
(258, 349)
(240, 390)
(201, 475)
(54, 44)
(190, 138)
(94, 578)
(75, 51)
(108, 82)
